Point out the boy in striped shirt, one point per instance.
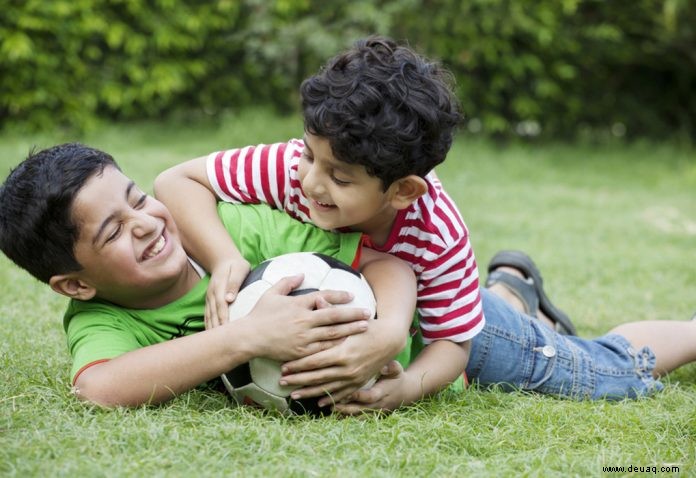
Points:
(378, 119)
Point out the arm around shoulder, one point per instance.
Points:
(189, 196)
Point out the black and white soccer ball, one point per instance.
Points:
(256, 382)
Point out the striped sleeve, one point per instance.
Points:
(256, 174)
(435, 241)
(449, 301)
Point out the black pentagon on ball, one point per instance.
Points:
(308, 406)
(255, 274)
(239, 376)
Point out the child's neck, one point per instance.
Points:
(379, 227)
(159, 298)
(189, 278)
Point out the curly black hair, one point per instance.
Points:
(383, 106)
(37, 228)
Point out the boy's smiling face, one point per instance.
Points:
(342, 194)
(128, 244)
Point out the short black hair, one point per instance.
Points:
(37, 228)
(383, 106)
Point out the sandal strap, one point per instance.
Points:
(522, 262)
(523, 289)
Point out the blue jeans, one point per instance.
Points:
(519, 352)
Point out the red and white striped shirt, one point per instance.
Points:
(430, 235)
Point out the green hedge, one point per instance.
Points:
(69, 62)
(558, 68)
(65, 62)
(568, 67)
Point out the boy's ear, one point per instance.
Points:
(406, 190)
(70, 286)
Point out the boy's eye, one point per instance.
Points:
(307, 157)
(339, 182)
(141, 202)
(114, 234)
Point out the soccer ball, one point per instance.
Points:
(256, 382)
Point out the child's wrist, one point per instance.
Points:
(419, 384)
(411, 387)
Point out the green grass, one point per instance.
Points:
(613, 228)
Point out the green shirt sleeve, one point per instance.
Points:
(95, 333)
(98, 330)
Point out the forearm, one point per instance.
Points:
(394, 286)
(157, 373)
(280, 327)
(438, 365)
(187, 194)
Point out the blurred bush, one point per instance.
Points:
(565, 68)
(69, 62)
(548, 68)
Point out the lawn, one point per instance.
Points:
(613, 228)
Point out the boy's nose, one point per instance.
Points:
(144, 224)
(311, 184)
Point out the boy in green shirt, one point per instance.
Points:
(72, 219)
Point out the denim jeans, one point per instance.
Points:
(519, 352)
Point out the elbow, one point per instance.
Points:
(164, 182)
(400, 344)
(98, 387)
(92, 392)
(412, 280)
(395, 340)
(170, 181)
(465, 348)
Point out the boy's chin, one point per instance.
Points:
(325, 224)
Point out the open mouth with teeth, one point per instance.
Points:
(155, 248)
(324, 205)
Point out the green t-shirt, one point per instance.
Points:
(99, 330)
